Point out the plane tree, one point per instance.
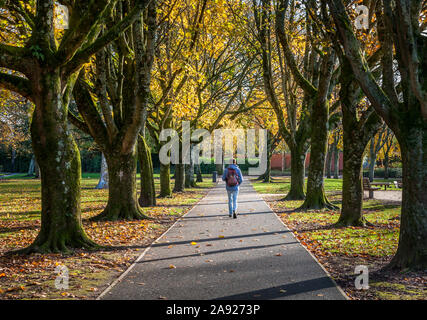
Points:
(44, 69)
(401, 101)
(112, 99)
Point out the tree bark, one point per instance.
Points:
(297, 175)
(147, 197)
(412, 249)
(315, 198)
(329, 162)
(357, 131)
(405, 114)
(372, 160)
(189, 172)
(59, 161)
(336, 162)
(122, 200)
(165, 180)
(179, 178)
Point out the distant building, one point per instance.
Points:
(282, 161)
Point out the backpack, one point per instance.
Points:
(231, 177)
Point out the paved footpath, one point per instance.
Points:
(207, 255)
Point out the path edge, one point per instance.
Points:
(312, 255)
(120, 278)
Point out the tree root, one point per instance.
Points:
(58, 245)
(119, 214)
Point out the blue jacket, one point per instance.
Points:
(239, 177)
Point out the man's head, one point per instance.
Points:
(234, 161)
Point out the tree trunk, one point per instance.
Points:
(122, 200)
(189, 176)
(357, 131)
(352, 189)
(103, 179)
(372, 159)
(297, 175)
(189, 172)
(165, 180)
(179, 178)
(336, 162)
(13, 166)
(412, 249)
(267, 174)
(329, 162)
(199, 177)
(58, 157)
(147, 197)
(315, 198)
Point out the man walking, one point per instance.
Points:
(233, 179)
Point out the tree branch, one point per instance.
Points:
(16, 84)
(113, 33)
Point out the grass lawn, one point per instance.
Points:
(33, 276)
(340, 250)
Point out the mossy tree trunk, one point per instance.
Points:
(51, 66)
(357, 131)
(115, 118)
(272, 142)
(412, 248)
(329, 162)
(147, 197)
(355, 137)
(336, 162)
(189, 176)
(297, 174)
(59, 161)
(122, 199)
(403, 108)
(316, 198)
(179, 178)
(189, 171)
(267, 175)
(372, 160)
(316, 82)
(165, 180)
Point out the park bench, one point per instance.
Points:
(367, 187)
(381, 184)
